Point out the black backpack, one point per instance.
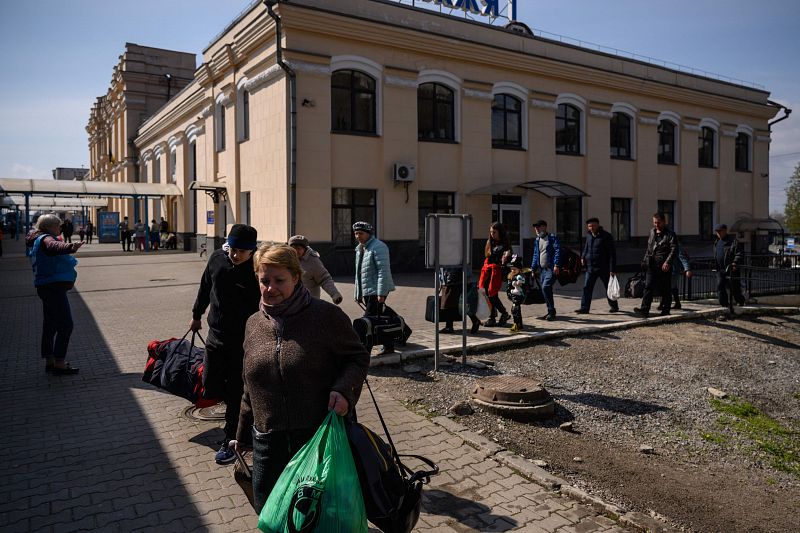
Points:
(634, 287)
(392, 491)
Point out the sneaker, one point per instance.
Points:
(475, 325)
(676, 305)
(447, 330)
(385, 351)
(581, 311)
(613, 309)
(225, 455)
(550, 317)
(490, 323)
(503, 319)
(516, 328)
(644, 313)
(664, 312)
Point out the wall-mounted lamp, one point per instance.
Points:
(765, 174)
(307, 103)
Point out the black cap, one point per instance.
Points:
(243, 237)
(539, 222)
(720, 226)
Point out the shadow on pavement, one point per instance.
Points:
(612, 403)
(767, 339)
(468, 512)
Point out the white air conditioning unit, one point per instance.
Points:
(404, 172)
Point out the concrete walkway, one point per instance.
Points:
(103, 451)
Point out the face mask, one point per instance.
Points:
(540, 233)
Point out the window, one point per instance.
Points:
(620, 136)
(668, 208)
(157, 170)
(435, 112)
(568, 129)
(666, 142)
(506, 122)
(621, 219)
(352, 102)
(245, 208)
(193, 160)
(220, 127)
(743, 152)
(430, 203)
(348, 207)
(244, 115)
(173, 163)
(143, 177)
(706, 147)
(706, 213)
(568, 220)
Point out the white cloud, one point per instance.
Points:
(21, 171)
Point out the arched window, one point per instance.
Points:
(742, 152)
(352, 102)
(435, 112)
(242, 113)
(666, 142)
(620, 136)
(506, 121)
(219, 113)
(706, 141)
(568, 129)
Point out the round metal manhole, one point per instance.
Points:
(206, 414)
(514, 396)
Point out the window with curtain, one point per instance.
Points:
(506, 121)
(435, 112)
(353, 102)
(348, 207)
(568, 129)
(666, 142)
(620, 136)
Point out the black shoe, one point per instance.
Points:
(475, 325)
(550, 317)
(503, 319)
(613, 309)
(447, 330)
(66, 371)
(644, 313)
(490, 323)
(385, 350)
(581, 311)
(676, 305)
(664, 312)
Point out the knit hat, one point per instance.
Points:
(720, 227)
(243, 237)
(363, 226)
(298, 240)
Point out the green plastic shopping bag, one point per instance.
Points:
(319, 488)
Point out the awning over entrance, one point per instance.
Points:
(86, 188)
(756, 224)
(551, 189)
(51, 202)
(215, 189)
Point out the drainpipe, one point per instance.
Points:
(786, 112)
(290, 74)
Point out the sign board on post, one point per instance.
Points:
(453, 240)
(108, 226)
(209, 217)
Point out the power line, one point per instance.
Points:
(784, 155)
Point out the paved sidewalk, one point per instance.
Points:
(103, 451)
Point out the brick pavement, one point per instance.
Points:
(103, 451)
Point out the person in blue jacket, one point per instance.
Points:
(546, 257)
(373, 274)
(54, 275)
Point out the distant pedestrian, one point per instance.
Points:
(680, 267)
(125, 235)
(53, 275)
(163, 229)
(155, 238)
(67, 229)
(315, 275)
(546, 258)
(450, 298)
(728, 256)
(496, 252)
(662, 247)
(89, 231)
(373, 274)
(140, 234)
(82, 233)
(517, 289)
(599, 258)
(229, 286)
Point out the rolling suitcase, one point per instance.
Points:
(445, 315)
(378, 330)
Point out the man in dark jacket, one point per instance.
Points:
(662, 247)
(727, 258)
(230, 286)
(599, 257)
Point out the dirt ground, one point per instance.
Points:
(649, 387)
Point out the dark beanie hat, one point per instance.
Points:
(243, 237)
(362, 226)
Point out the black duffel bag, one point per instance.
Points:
(392, 491)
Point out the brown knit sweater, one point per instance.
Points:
(289, 375)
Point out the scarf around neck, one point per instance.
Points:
(295, 303)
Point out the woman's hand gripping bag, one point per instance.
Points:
(319, 488)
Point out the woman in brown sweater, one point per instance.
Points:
(301, 359)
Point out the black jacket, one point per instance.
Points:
(732, 250)
(662, 249)
(232, 291)
(599, 252)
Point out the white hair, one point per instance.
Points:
(47, 221)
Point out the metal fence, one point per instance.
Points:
(760, 275)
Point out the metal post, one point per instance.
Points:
(27, 212)
(16, 222)
(146, 225)
(436, 293)
(464, 249)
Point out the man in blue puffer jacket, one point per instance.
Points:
(373, 273)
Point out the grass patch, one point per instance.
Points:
(780, 444)
(716, 438)
(796, 395)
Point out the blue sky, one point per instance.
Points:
(58, 56)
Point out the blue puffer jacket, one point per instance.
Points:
(373, 275)
(49, 269)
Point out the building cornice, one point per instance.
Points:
(479, 95)
(543, 104)
(263, 78)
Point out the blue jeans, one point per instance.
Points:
(547, 279)
(57, 322)
(589, 280)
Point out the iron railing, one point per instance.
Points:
(760, 275)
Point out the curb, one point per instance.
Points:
(529, 338)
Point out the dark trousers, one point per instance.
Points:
(723, 280)
(516, 310)
(589, 280)
(497, 305)
(373, 308)
(57, 321)
(657, 283)
(125, 241)
(222, 378)
(271, 453)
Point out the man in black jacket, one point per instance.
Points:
(727, 258)
(662, 247)
(230, 286)
(599, 257)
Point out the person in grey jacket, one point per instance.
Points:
(315, 275)
(373, 273)
(662, 247)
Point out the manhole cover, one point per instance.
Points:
(213, 413)
(514, 396)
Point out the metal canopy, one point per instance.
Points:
(51, 202)
(755, 224)
(86, 188)
(551, 189)
(215, 189)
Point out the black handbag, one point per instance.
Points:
(392, 491)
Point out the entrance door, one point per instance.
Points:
(507, 210)
(568, 220)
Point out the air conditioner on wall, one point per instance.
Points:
(403, 172)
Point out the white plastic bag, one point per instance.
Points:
(613, 288)
(484, 307)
